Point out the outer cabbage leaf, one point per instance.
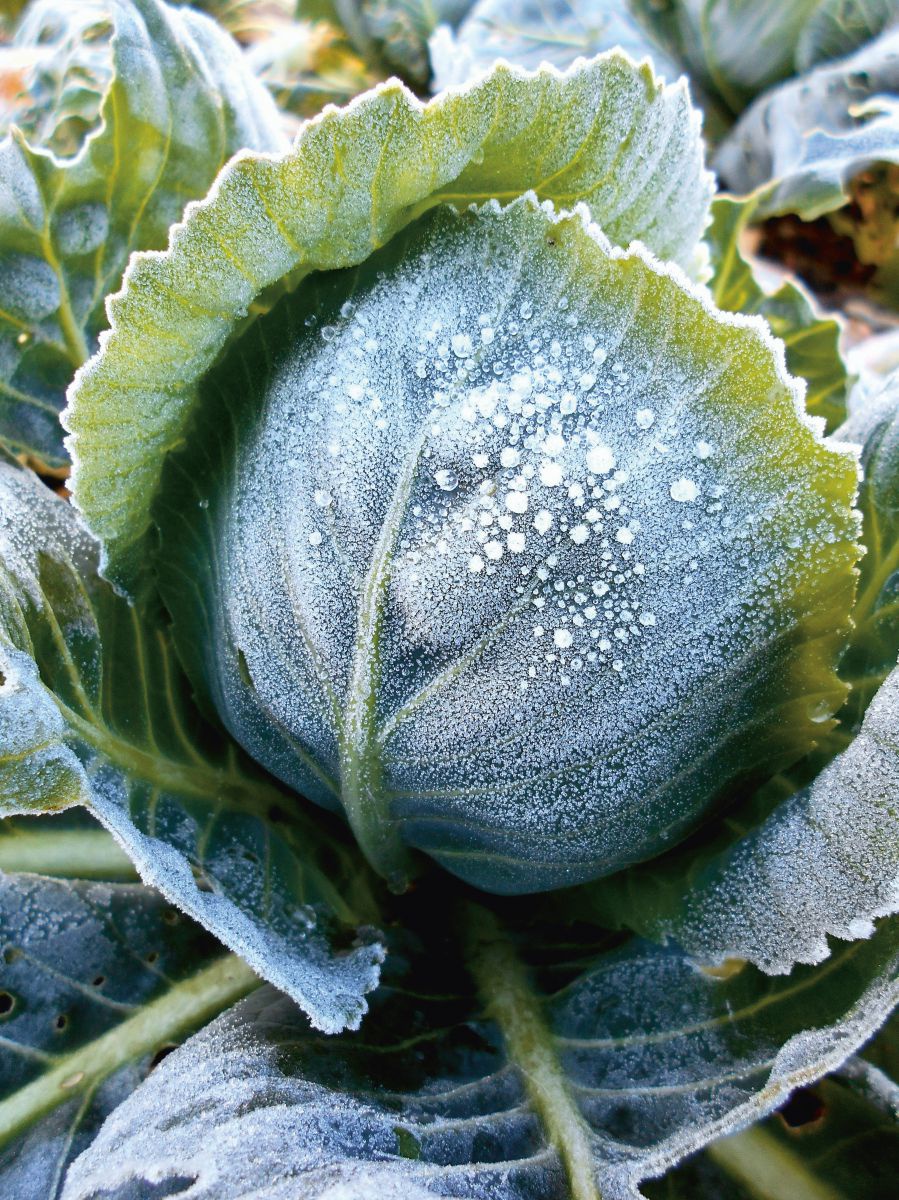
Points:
(838, 27)
(604, 133)
(836, 1140)
(396, 32)
(874, 425)
(736, 48)
(180, 103)
(512, 547)
(801, 144)
(95, 711)
(537, 31)
(95, 981)
(811, 342)
(566, 1083)
(55, 72)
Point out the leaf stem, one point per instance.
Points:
(511, 1001)
(360, 757)
(182, 1009)
(69, 853)
(767, 1168)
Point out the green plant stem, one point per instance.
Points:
(509, 998)
(69, 854)
(170, 1017)
(767, 1168)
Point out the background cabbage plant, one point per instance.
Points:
(448, 643)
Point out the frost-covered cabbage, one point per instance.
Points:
(447, 511)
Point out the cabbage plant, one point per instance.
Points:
(459, 677)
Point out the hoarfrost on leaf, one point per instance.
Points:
(385, 655)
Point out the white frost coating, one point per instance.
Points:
(660, 1058)
(489, 735)
(826, 863)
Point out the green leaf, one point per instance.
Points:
(800, 145)
(70, 844)
(605, 133)
(811, 342)
(550, 1078)
(94, 711)
(874, 425)
(180, 103)
(95, 981)
(545, 587)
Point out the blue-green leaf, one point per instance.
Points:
(94, 711)
(547, 1080)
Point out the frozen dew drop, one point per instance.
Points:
(562, 638)
(684, 491)
(550, 473)
(624, 536)
(494, 551)
(517, 502)
(703, 450)
(600, 460)
(543, 520)
(461, 344)
(509, 457)
(322, 498)
(315, 538)
(515, 542)
(645, 418)
(475, 564)
(579, 534)
(447, 481)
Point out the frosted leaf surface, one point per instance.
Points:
(95, 711)
(646, 1058)
(804, 142)
(553, 668)
(78, 960)
(605, 133)
(825, 863)
(177, 93)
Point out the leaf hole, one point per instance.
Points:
(250, 857)
(171, 916)
(10, 954)
(803, 1109)
(61, 1023)
(7, 1004)
(152, 957)
(98, 981)
(243, 669)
